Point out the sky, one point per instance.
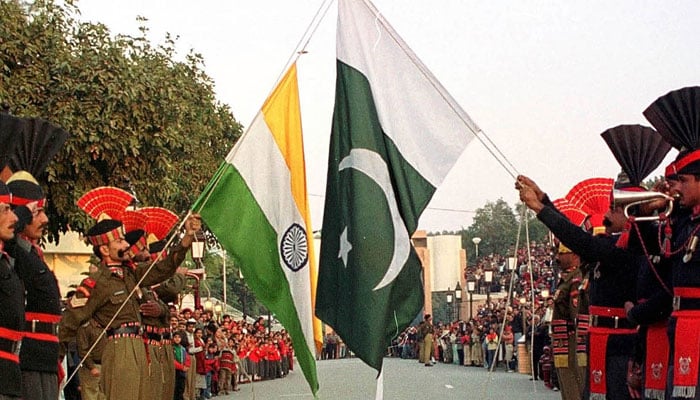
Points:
(541, 79)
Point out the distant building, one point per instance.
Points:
(69, 260)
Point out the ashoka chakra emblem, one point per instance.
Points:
(294, 247)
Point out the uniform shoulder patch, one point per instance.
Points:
(76, 302)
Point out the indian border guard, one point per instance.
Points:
(39, 353)
(89, 335)
(571, 375)
(12, 309)
(101, 297)
(676, 117)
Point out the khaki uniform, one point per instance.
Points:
(159, 380)
(100, 297)
(88, 333)
(426, 348)
(566, 304)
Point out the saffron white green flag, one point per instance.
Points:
(256, 205)
(396, 134)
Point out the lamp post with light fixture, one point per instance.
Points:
(488, 278)
(476, 242)
(471, 286)
(458, 299)
(449, 305)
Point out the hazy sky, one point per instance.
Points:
(542, 79)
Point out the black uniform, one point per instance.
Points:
(611, 284)
(39, 353)
(11, 325)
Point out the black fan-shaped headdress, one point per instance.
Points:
(38, 142)
(9, 126)
(676, 116)
(638, 149)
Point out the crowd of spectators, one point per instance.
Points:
(233, 351)
(475, 341)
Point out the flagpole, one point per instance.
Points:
(379, 394)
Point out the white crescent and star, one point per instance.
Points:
(371, 164)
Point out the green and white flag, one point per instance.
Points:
(256, 205)
(396, 134)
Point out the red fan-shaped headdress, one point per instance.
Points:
(592, 196)
(105, 202)
(574, 214)
(159, 223)
(133, 220)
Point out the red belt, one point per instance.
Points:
(610, 319)
(40, 326)
(686, 299)
(10, 343)
(598, 340)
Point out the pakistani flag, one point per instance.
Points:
(257, 207)
(396, 133)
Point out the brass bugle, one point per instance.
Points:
(627, 199)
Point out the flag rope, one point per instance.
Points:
(487, 383)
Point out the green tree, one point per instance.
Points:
(138, 117)
(496, 225)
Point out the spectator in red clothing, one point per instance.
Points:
(211, 369)
(200, 365)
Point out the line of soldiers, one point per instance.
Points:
(640, 277)
(132, 358)
(119, 315)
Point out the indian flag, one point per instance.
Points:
(256, 205)
(396, 134)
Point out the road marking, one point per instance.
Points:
(449, 386)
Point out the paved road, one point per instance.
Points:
(350, 379)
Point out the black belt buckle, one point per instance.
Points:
(676, 303)
(603, 321)
(37, 326)
(10, 346)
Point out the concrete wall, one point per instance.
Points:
(446, 261)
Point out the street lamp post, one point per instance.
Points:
(476, 242)
(245, 293)
(523, 300)
(471, 286)
(458, 299)
(449, 305)
(197, 249)
(223, 257)
(488, 278)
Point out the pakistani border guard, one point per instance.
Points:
(40, 350)
(676, 116)
(611, 336)
(12, 310)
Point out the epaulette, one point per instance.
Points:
(89, 282)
